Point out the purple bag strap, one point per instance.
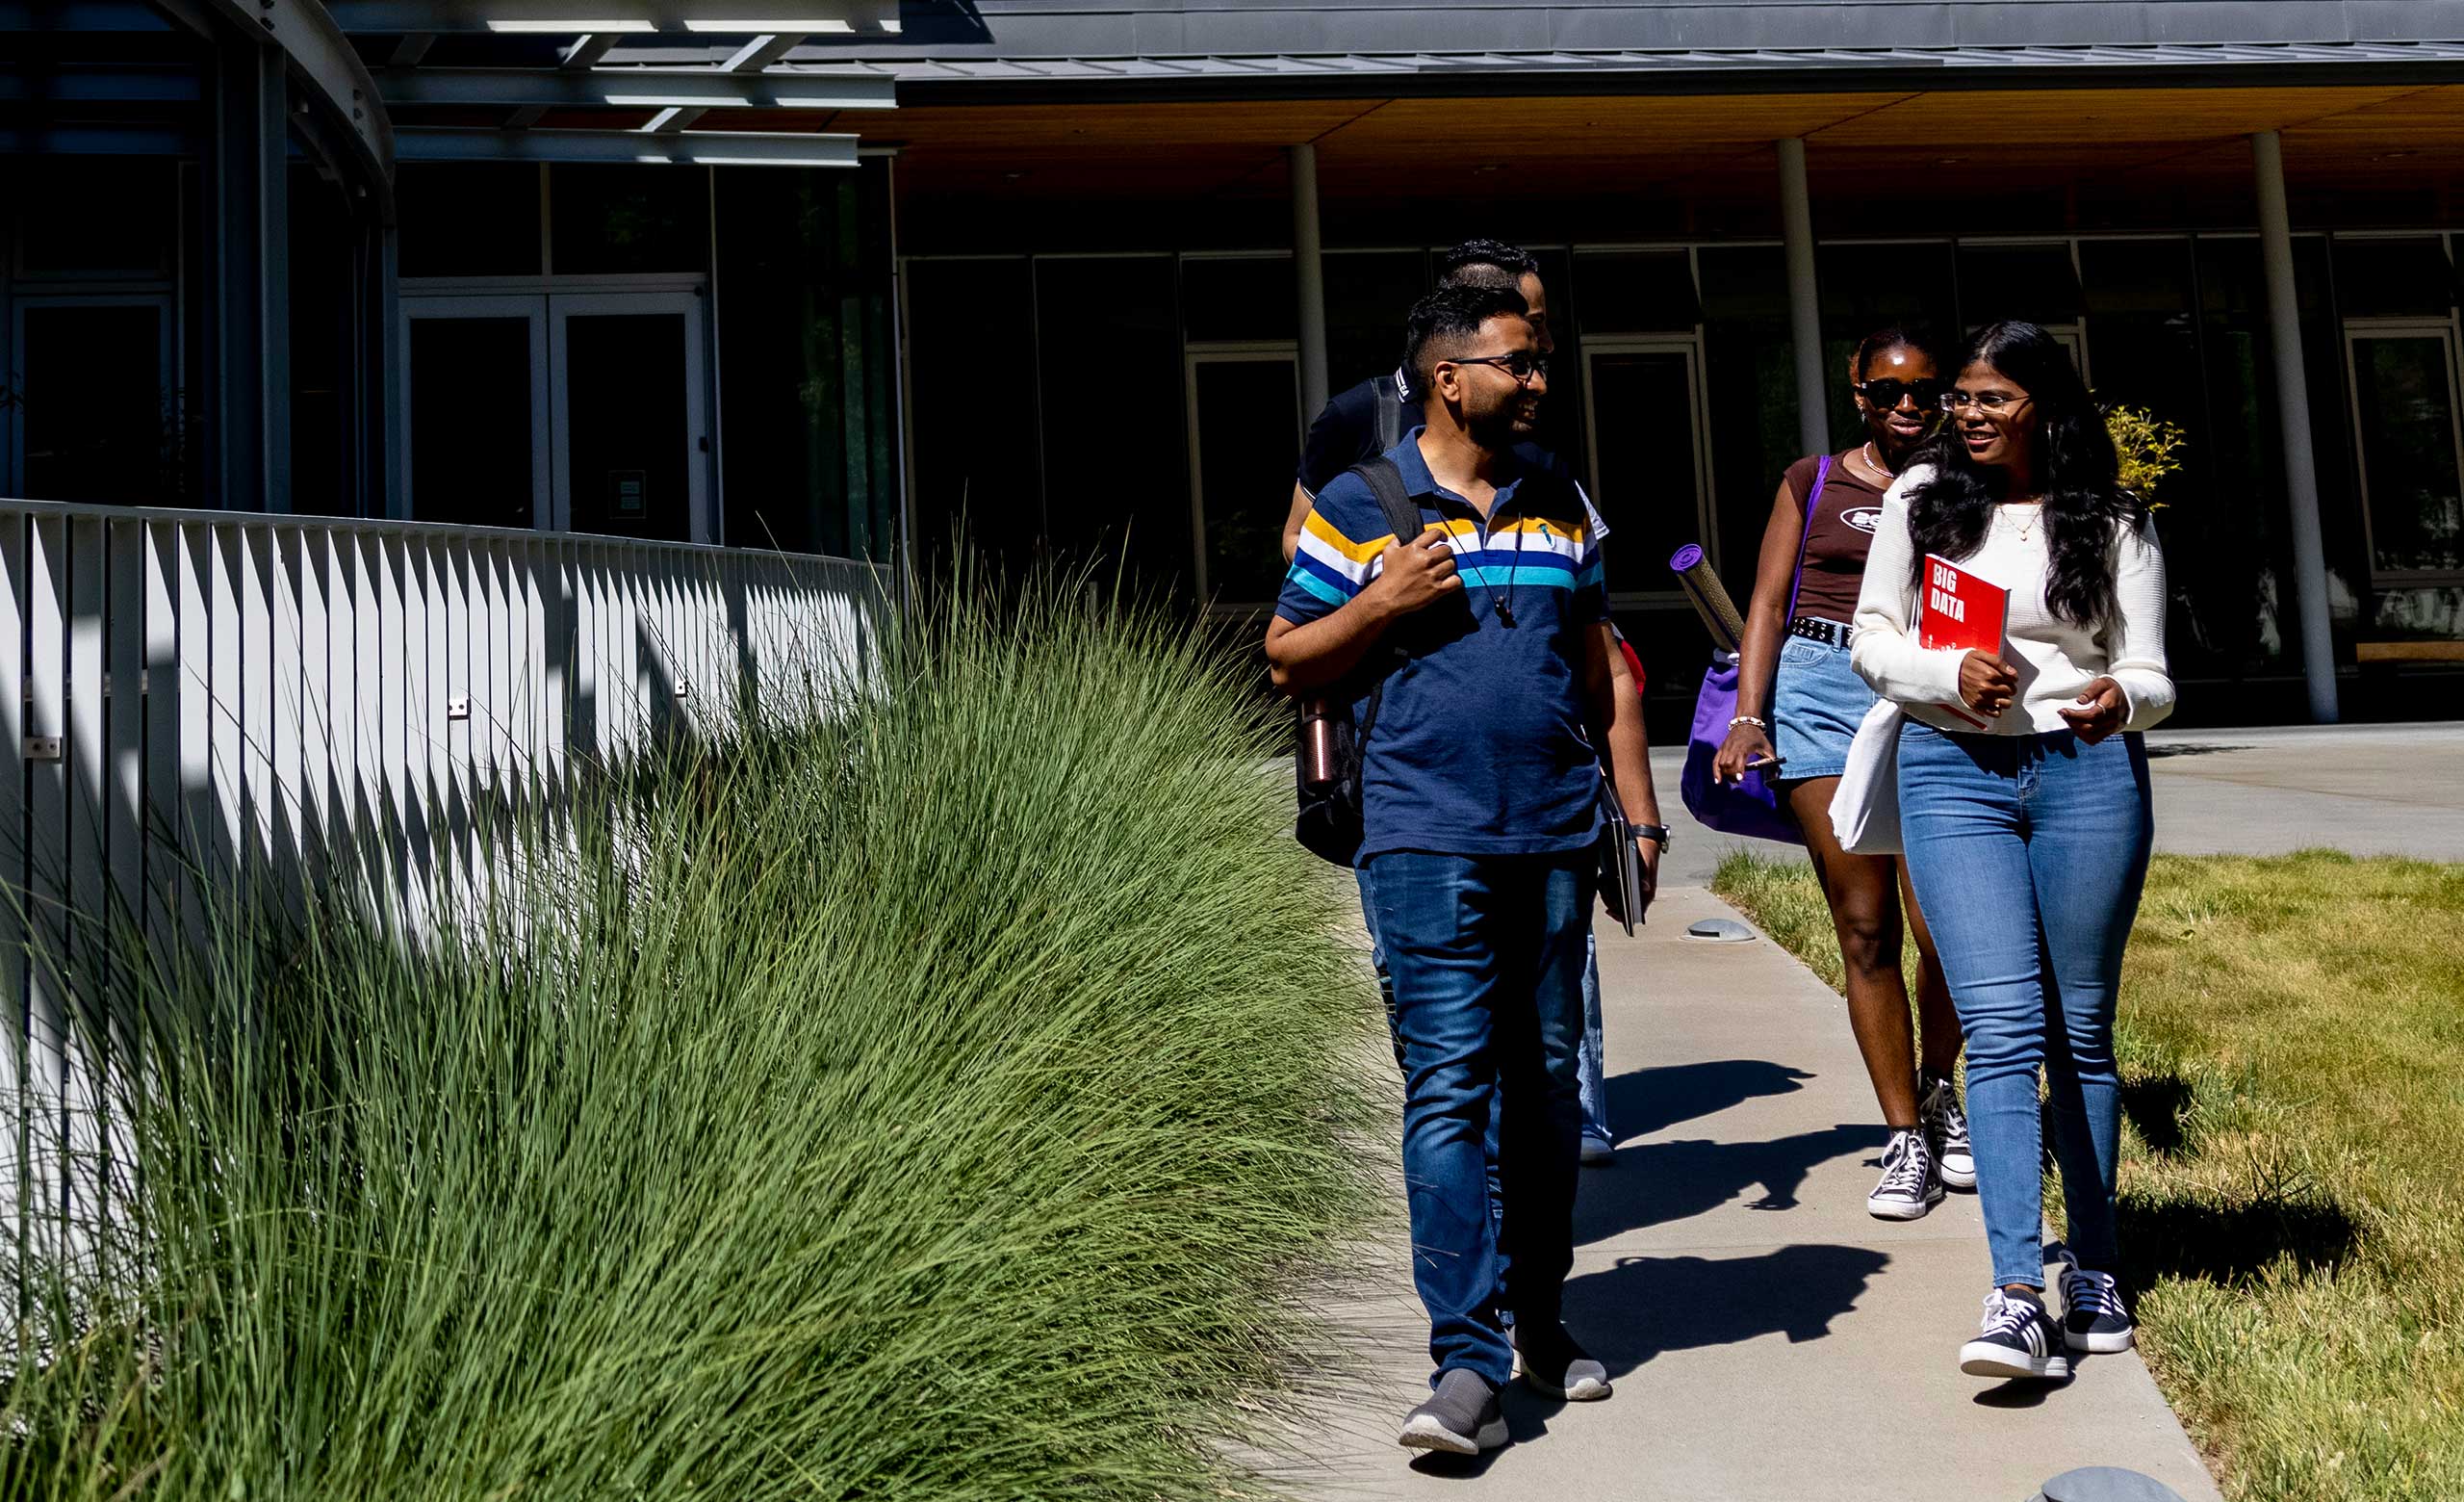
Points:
(1805, 537)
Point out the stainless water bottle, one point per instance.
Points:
(1318, 767)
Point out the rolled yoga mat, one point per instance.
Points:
(1710, 596)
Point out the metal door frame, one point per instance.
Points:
(531, 306)
(1265, 352)
(2356, 330)
(687, 305)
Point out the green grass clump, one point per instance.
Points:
(948, 1101)
(2291, 1040)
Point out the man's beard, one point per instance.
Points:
(1499, 429)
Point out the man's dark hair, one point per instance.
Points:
(1485, 263)
(1441, 322)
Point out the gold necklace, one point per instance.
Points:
(2035, 513)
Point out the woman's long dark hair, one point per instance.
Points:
(2076, 471)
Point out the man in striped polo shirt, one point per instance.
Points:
(1480, 817)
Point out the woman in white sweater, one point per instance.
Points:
(2027, 840)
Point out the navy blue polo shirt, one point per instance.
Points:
(1479, 746)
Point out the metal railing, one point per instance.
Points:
(282, 702)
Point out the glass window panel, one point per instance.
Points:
(468, 218)
(2432, 612)
(1246, 462)
(324, 319)
(471, 421)
(1636, 292)
(1869, 287)
(803, 355)
(1110, 371)
(1645, 490)
(91, 404)
(2036, 283)
(98, 217)
(1368, 293)
(1241, 299)
(2405, 391)
(971, 331)
(1560, 430)
(1750, 382)
(627, 440)
(2383, 279)
(611, 220)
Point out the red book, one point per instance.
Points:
(1957, 608)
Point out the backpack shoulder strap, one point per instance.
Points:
(1385, 482)
(1390, 415)
(1805, 537)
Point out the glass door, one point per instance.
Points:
(474, 404)
(2403, 381)
(1643, 409)
(1245, 447)
(631, 440)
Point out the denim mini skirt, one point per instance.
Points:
(1816, 704)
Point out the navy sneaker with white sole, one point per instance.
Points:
(2094, 1317)
(2017, 1340)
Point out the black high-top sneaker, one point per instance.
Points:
(1911, 1185)
(1937, 1106)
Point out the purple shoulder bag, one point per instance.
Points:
(1750, 807)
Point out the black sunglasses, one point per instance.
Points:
(1886, 392)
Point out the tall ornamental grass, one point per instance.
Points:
(948, 1101)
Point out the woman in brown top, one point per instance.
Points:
(1799, 701)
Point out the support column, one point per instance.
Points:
(2293, 423)
(1309, 275)
(251, 288)
(1805, 302)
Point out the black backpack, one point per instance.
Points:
(1329, 817)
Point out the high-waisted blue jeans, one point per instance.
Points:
(1487, 958)
(2028, 853)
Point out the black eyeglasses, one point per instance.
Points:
(1981, 401)
(1521, 364)
(1885, 393)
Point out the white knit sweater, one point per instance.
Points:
(2055, 658)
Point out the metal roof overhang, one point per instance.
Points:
(925, 80)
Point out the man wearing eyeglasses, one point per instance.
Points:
(1367, 419)
(1480, 813)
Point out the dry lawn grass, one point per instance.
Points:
(2292, 1048)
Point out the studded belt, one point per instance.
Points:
(1814, 628)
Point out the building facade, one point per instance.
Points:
(1071, 278)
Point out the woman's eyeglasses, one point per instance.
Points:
(1885, 393)
(1981, 401)
(1521, 364)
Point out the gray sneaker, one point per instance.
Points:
(1461, 1417)
(1555, 1367)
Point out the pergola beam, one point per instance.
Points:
(408, 51)
(761, 52)
(636, 88)
(318, 55)
(693, 147)
(586, 53)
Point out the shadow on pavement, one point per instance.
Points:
(1626, 1314)
(1662, 1181)
(1630, 1313)
(1646, 1101)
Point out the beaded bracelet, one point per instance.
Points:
(1748, 719)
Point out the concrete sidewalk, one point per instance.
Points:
(1768, 1338)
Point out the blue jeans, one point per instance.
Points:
(1593, 1058)
(2028, 853)
(1486, 954)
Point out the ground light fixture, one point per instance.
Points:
(2105, 1484)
